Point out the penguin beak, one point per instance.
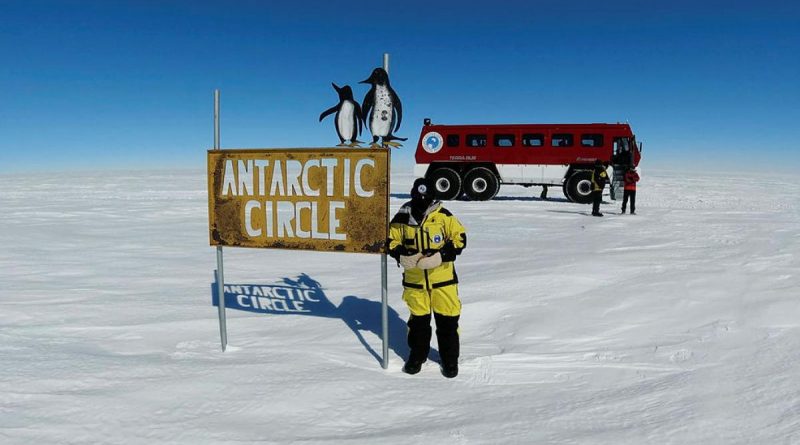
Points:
(335, 87)
(366, 81)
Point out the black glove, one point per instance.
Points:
(448, 251)
(399, 250)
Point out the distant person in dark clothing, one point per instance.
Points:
(631, 178)
(599, 179)
(624, 157)
(622, 161)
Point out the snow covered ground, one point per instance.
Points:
(678, 325)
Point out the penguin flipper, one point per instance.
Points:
(398, 108)
(328, 112)
(359, 117)
(369, 101)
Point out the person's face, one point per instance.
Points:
(421, 194)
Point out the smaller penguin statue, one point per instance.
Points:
(348, 120)
(383, 109)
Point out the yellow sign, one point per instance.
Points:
(331, 199)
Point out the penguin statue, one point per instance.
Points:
(383, 109)
(348, 118)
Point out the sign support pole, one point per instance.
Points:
(384, 263)
(223, 328)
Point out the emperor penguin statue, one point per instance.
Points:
(383, 109)
(348, 119)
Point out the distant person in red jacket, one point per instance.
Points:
(631, 178)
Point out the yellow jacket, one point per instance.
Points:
(438, 231)
(599, 179)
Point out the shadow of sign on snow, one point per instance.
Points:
(306, 296)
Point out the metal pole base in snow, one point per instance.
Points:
(384, 312)
(223, 325)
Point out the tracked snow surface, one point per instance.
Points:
(677, 325)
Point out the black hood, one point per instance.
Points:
(422, 195)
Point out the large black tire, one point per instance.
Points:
(496, 191)
(579, 187)
(446, 182)
(481, 184)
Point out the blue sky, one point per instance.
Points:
(129, 84)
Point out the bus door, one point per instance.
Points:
(621, 159)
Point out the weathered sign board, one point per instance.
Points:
(327, 199)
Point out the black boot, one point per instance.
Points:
(450, 370)
(413, 365)
(419, 341)
(449, 347)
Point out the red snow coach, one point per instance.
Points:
(474, 160)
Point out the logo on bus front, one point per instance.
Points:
(432, 142)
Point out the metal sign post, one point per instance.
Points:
(384, 263)
(223, 328)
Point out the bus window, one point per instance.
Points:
(476, 140)
(504, 140)
(591, 140)
(561, 140)
(453, 140)
(533, 140)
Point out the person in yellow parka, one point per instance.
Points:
(425, 239)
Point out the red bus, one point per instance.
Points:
(474, 160)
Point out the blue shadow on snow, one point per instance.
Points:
(305, 296)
